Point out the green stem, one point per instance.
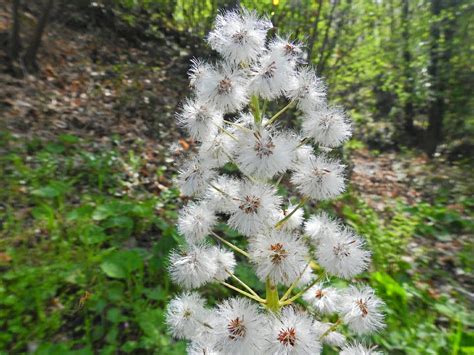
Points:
(272, 298)
(255, 107)
(247, 287)
(288, 216)
(230, 245)
(242, 292)
(302, 292)
(238, 126)
(331, 329)
(279, 113)
(293, 285)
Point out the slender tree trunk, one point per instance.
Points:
(15, 42)
(315, 33)
(408, 108)
(326, 34)
(440, 57)
(32, 51)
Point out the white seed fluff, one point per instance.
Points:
(320, 178)
(257, 204)
(239, 36)
(264, 154)
(292, 333)
(185, 314)
(239, 327)
(361, 310)
(321, 226)
(280, 256)
(343, 255)
(328, 126)
(225, 261)
(224, 88)
(325, 300)
(193, 266)
(199, 119)
(358, 349)
(195, 221)
(194, 177)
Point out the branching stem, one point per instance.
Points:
(229, 244)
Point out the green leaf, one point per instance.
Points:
(121, 264)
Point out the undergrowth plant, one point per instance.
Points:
(244, 157)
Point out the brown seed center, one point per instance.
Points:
(320, 294)
(250, 204)
(270, 70)
(363, 307)
(279, 253)
(236, 329)
(287, 336)
(264, 148)
(224, 87)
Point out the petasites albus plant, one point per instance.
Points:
(296, 259)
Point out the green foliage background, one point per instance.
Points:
(82, 264)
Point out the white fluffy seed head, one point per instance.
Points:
(319, 178)
(270, 77)
(283, 47)
(292, 223)
(343, 255)
(239, 326)
(199, 119)
(224, 88)
(225, 261)
(197, 70)
(223, 193)
(195, 221)
(309, 91)
(358, 349)
(292, 333)
(280, 256)
(321, 226)
(324, 299)
(264, 154)
(361, 310)
(185, 314)
(202, 347)
(217, 149)
(332, 338)
(192, 266)
(328, 126)
(194, 176)
(255, 208)
(239, 35)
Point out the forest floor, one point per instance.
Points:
(113, 94)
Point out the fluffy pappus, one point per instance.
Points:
(255, 208)
(264, 154)
(319, 178)
(238, 328)
(343, 254)
(292, 333)
(239, 35)
(280, 256)
(327, 126)
(361, 310)
(195, 221)
(192, 266)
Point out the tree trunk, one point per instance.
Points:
(32, 51)
(15, 42)
(439, 68)
(315, 34)
(408, 108)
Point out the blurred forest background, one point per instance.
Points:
(88, 92)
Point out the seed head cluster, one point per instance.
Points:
(237, 213)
